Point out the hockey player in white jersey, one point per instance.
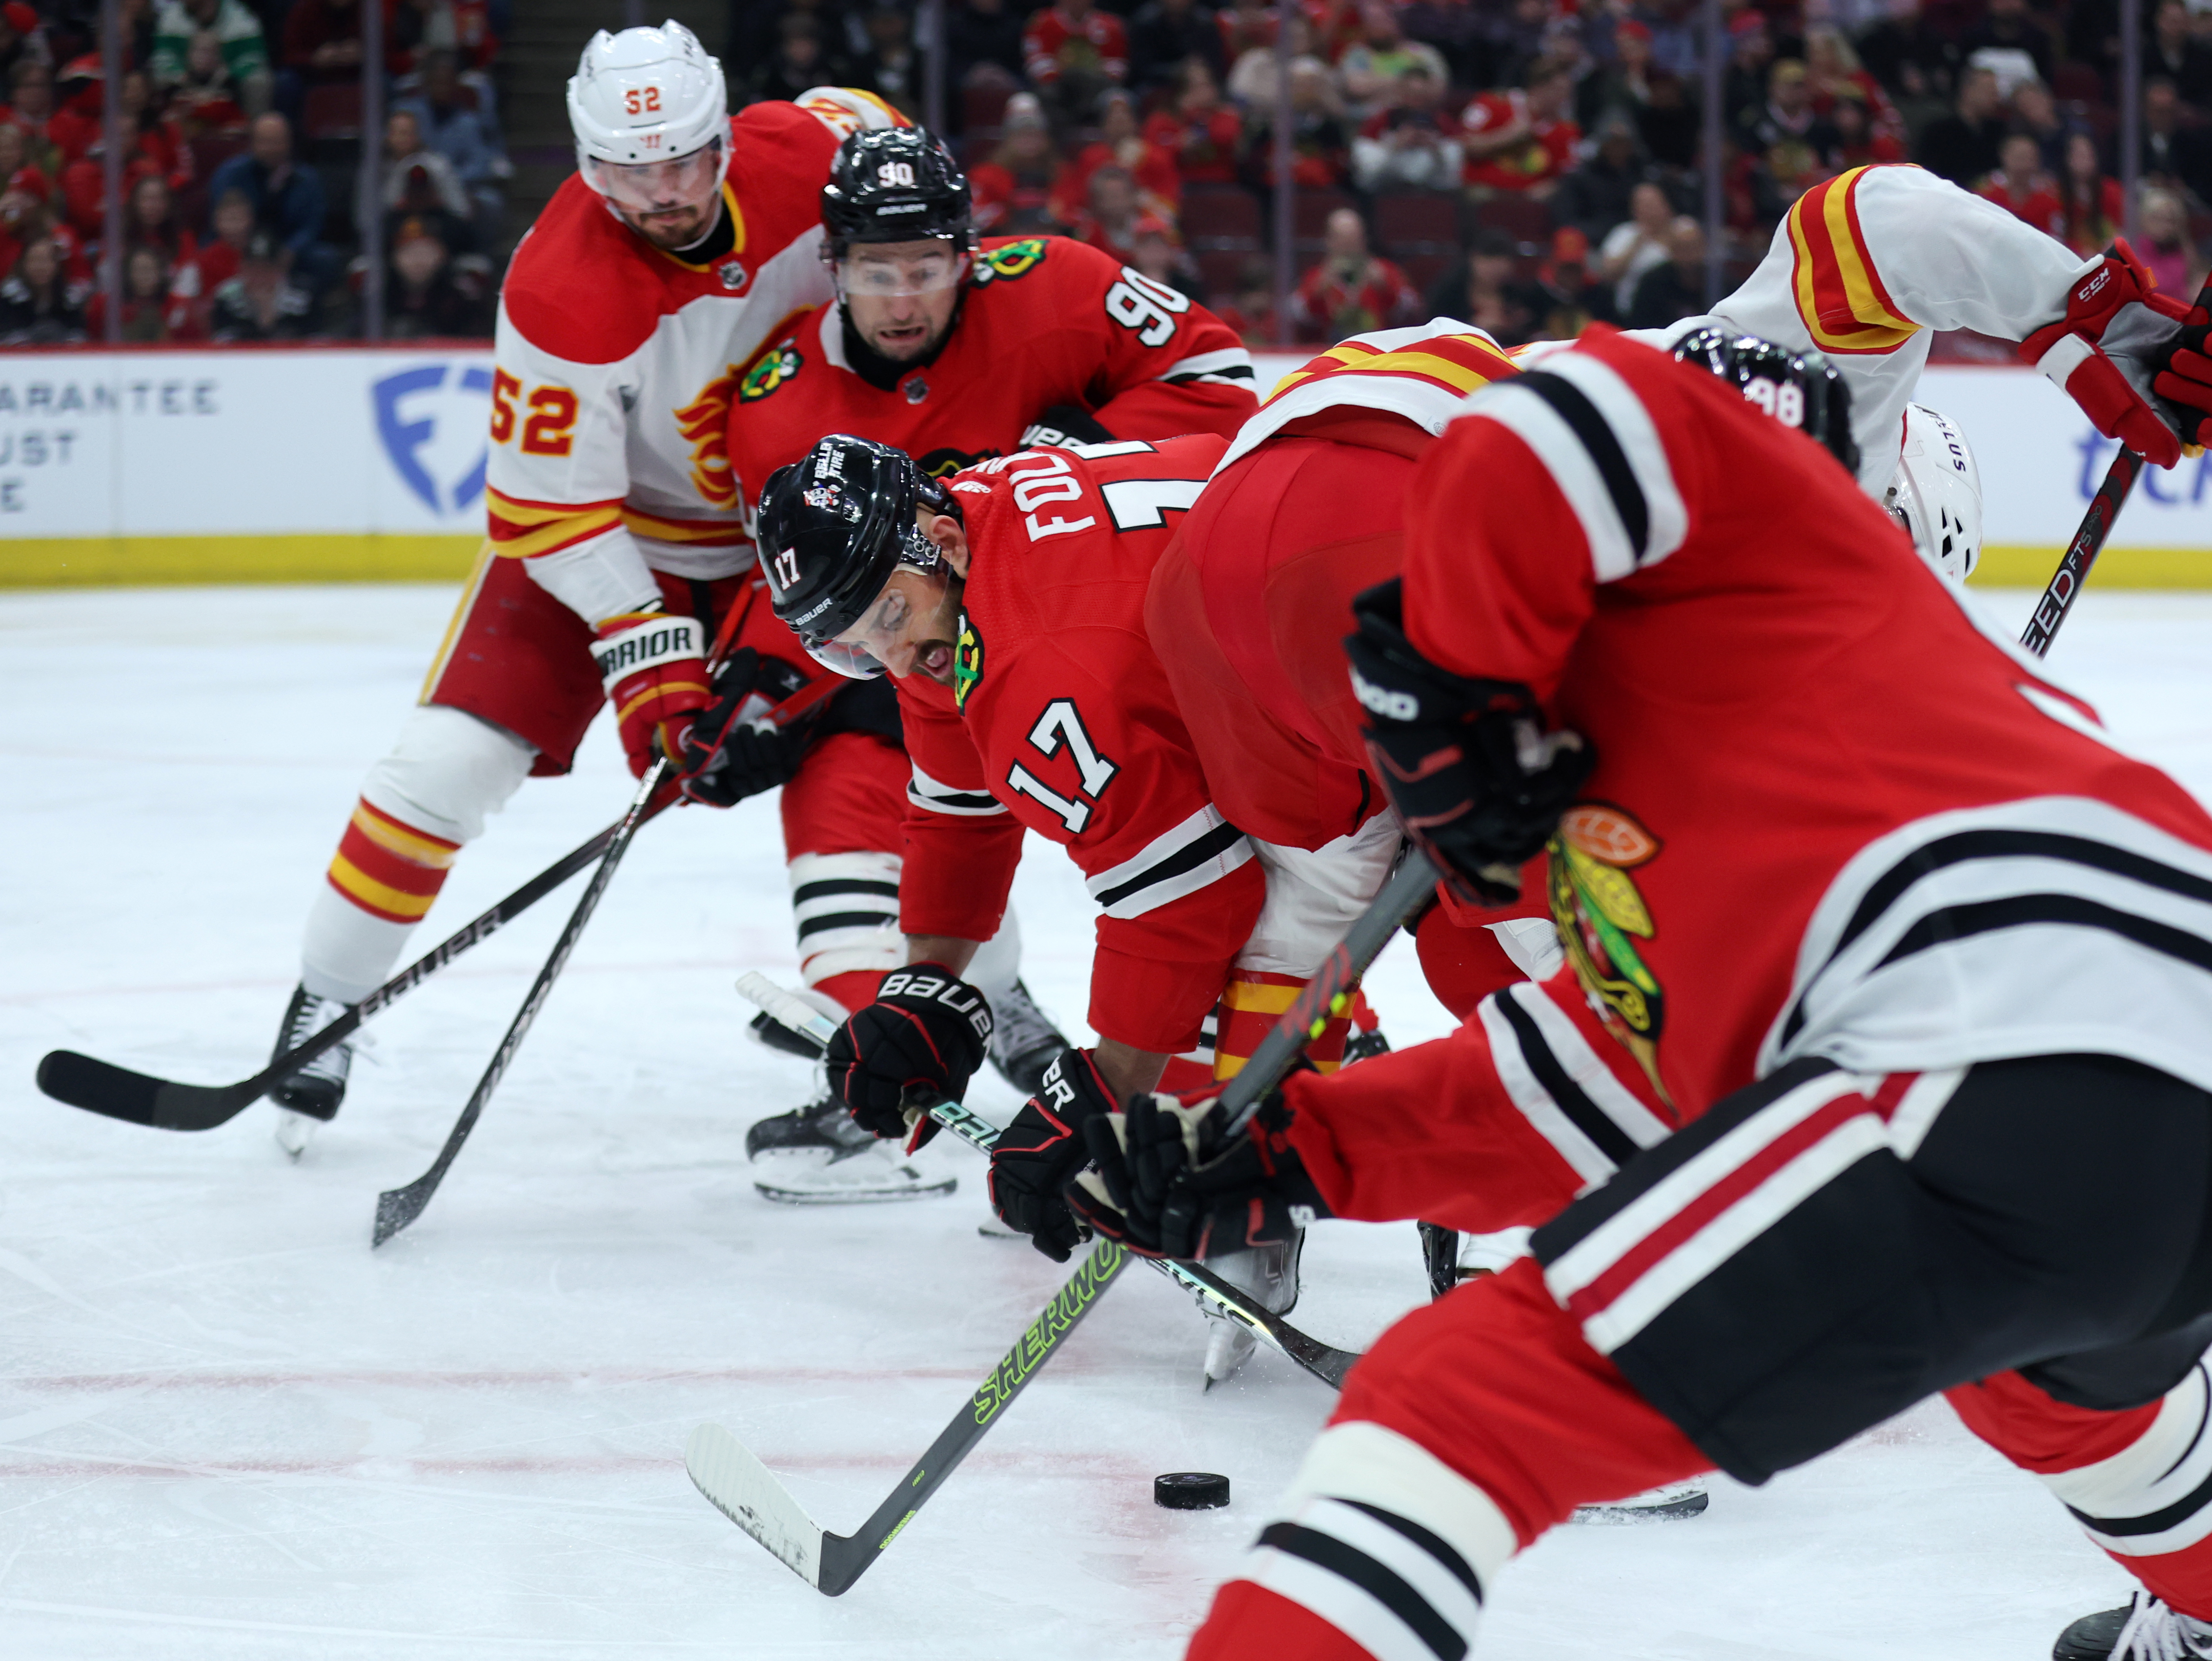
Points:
(616, 544)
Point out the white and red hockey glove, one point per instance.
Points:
(655, 669)
(2103, 353)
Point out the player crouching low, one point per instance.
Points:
(1008, 603)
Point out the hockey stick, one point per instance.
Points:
(1325, 1361)
(398, 1207)
(101, 1087)
(2065, 585)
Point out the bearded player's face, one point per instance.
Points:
(901, 295)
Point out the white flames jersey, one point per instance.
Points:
(616, 366)
(1864, 267)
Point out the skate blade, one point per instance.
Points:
(1671, 1508)
(768, 1190)
(1227, 1348)
(294, 1132)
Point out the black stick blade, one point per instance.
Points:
(396, 1208)
(102, 1087)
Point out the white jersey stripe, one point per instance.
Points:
(1639, 441)
(1524, 414)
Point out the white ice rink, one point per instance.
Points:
(227, 1429)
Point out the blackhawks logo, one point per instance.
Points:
(1600, 915)
(1014, 259)
(769, 371)
(942, 464)
(966, 663)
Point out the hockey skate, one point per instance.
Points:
(816, 1155)
(1365, 1046)
(2142, 1629)
(313, 1094)
(1269, 1273)
(1024, 1040)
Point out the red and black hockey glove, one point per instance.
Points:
(1043, 1147)
(923, 1036)
(2185, 380)
(1478, 782)
(1170, 1181)
(730, 751)
(2110, 349)
(656, 677)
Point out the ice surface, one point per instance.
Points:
(227, 1429)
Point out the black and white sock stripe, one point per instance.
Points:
(1603, 450)
(1386, 1542)
(846, 910)
(1202, 849)
(2154, 1496)
(1564, 1088)
(925, 792)
(2062, 916)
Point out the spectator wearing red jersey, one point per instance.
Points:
(1072, 52)
(1247, 25)
(206, 99)
(75, 126)
(1352, 291)
(1522, 139)
(1013, 191)
(31, 108)
(322, 43)
(1833, 73)
(2021, 188)
(2091, 201)
(1320, 146)
(154, 313)
(1412, 143)
(1202, 131)
(1120, 145)
(222, 254)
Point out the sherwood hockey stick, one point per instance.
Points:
(1325, 1361)
(736, 1484)
(101, 1087)
(398, 1207)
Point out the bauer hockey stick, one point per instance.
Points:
(1326, 1362)
(398, 1207)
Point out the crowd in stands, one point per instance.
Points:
(1527, 165)
(240, 125)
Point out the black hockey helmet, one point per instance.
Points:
(832, 528)
(896, 184)
(1799, 389)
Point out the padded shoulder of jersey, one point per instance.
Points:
(583, 286)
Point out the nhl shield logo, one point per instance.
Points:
(731, 273)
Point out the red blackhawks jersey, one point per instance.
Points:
(1046, 321)
(1059, 720)
(614, 365)
(1833, 813)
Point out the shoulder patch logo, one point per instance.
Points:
(773, 367)
(1600, 914)
(1013, 260)
(942, 464)
(966, 663)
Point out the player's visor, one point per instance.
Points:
(645, 187)
(885, 633)
(878, 271)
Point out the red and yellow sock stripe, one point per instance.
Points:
(389, 869)
(1838, 291)
(1250, 1005)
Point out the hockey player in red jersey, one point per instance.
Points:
(1007, 602)
(1881, 1061)
(954, 351)
(1250, 603)
(617, 543)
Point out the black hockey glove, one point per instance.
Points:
(2184, 379)
(1064, 423)
(1170, 1182)
(730, 751)
(1043, 1147)
(923, 1036)
(1477, 781)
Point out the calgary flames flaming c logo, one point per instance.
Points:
(705, 424)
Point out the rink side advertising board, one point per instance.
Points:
(336, 464)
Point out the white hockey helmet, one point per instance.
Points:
(1937, 491)
(642, 98)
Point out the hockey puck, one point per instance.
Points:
(1190, 1490)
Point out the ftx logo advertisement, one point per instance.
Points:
(435, 423)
